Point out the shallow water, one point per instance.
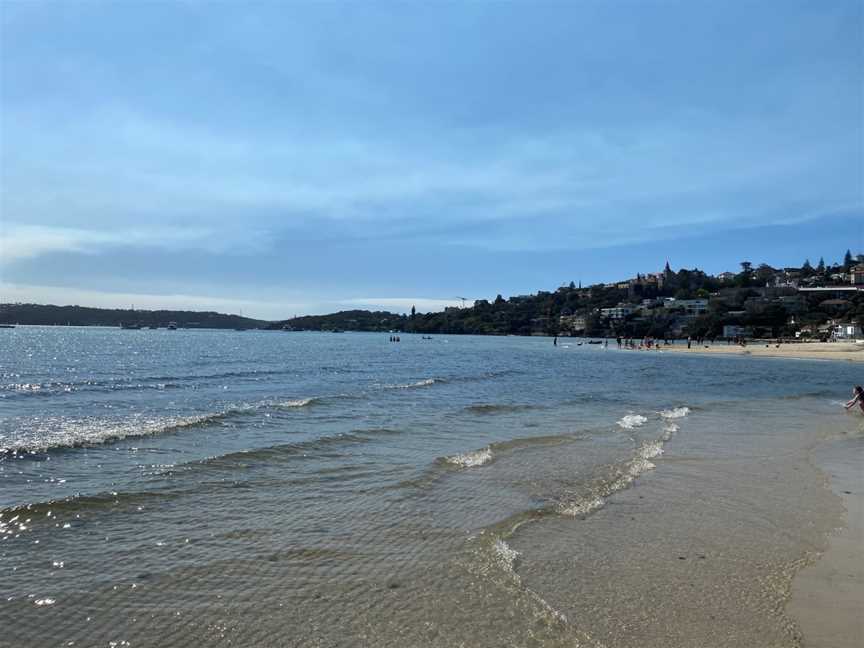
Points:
(171, 488)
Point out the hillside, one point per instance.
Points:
(84, 316)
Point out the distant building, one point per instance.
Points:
(621, 311)
(726, 276)
(847, 331)
(733, 331)
(691, 307)
(573, 323)
(857, 275)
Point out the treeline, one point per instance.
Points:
(740, 299)
(83, 316)
(353, 320)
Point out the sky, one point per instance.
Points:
(298, 158)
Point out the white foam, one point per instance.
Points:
(505, 555)
(632, 421)
(471, 459)
(675, 412)
(419, 383)
(581, 507)
(668, 430)
(651, 449)
(297, 402)
(627, 474)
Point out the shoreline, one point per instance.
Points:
(827, 596)
(843, 351)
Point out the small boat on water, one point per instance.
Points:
(172, 326)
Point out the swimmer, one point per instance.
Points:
(857, 398)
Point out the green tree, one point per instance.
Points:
(847, 261)
(820, 268)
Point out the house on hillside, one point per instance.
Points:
(856, 275)
(620, 312)
(847, 331)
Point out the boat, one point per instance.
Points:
(172, 326)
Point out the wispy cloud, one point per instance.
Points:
(19, 242)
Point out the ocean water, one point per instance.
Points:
(178, 488)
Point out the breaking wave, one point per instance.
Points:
(621, 476)
(297, 402)
(420, 383)
(675, 412)
(632, 421)
(471, 459)
(60, 433)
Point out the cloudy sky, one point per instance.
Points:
(286, 158)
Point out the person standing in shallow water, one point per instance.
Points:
(857, 397)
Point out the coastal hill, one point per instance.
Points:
(807, 302)
(84, 316)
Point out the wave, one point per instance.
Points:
(471, 459)
(675, 412)
(505, 555)
(297, 402)
(428, 382)
(318, 445)
(632, 421)
(53, 388)
(620, 477)
(491, 408)
(91, 432)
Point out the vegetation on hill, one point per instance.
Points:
(762, 301)
(84, 316)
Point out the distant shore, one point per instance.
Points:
(803, 350)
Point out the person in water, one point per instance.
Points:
(857, 397)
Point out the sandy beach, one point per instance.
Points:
(808, 350)
(828, 596)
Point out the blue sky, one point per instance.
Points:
(286, 158)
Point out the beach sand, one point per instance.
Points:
(828, 596)
(807, 350)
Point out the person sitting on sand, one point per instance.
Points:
(858, 397)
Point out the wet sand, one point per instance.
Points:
(828, 596)
(846, 351)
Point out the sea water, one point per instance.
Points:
(263, 488)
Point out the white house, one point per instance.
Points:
(619, 312)
(847, 331)
(857, 275)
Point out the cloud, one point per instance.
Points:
(19, 242)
